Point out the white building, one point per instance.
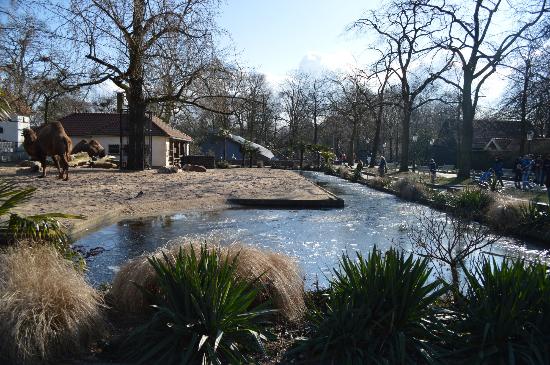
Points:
(168, 144)
(11, 130)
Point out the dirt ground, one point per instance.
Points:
(106, 196)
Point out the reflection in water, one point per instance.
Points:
(316, 238)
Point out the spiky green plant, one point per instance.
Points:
(34, 228)
(471, 201)
(535, 215)
(380, 310)
(204, 313)
(505, 315)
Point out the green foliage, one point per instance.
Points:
(505, 315)
(379, 311)
(535, 215)
(204, 313)
(34, 228)
(357, 172)
(439, 198)
(471, 201)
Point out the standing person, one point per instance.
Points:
(526, 164)
(382, 167)
(538, 170)
(498, 167)
(433, 170)
(517, 173)
(546, 169)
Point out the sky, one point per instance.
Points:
(278, 36)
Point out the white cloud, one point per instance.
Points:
(317, 62)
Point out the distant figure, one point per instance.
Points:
(546, 169)
(433, 170)
(233, 157)
(383, 166)
(485, 179)
(538, 170)
(517, 173)
(498, 167)
(526, 165)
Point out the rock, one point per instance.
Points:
(169, 170)
(196, 168)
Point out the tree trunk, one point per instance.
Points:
(136, 100)
(46, 109)
(524, 106)
(467, 130)
(405, 134)
(353, 138)
(376, 141)
(455, 283)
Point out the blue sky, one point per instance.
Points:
(277, 36)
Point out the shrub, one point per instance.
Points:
(505, 214)
(344, 172)
(472, 201)
(378, 182)
(409, 190)
(380, 311)
(47, 310)
(439, 199)
(505, 316)
(280, 280)
(535, 215)
(222, 164)
(204, 312)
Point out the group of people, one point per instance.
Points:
(530, 166)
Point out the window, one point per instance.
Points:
(1, 129)
(114, 149)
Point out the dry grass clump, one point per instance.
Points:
(378, 182)
(47, 310)
(409, 190)
(505, 214)
(280, 279)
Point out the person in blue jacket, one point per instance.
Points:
(498, 167)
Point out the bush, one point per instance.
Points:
(409, 190)
(344, 172)
(505, 316)
(439, 199)
(472, 201)
(47, 310)
(222, 164)
(204, 312)
(505, 215)
(380, 310)
(280, 280)
(379, 182)
(535, 215)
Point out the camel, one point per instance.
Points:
(93, 148)
(49, 140)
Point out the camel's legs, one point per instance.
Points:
(56, 163)
(43, 163)
(65, 165)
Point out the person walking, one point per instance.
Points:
(517, 173)
(382, 167)
(498, 167)
(538, 170)
(526, 164)
(433, 170)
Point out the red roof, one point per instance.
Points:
(108, 124)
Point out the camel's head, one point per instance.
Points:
(100, 151)
(29, 135)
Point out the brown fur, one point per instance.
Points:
(92, 148)
(49, 140)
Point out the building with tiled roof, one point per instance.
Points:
(168, 145)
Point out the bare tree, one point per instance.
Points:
(480, 44)
(406, 30)
(133, 43)
(449, 241)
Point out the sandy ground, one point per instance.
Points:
(106, 196)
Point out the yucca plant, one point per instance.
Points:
(204, 313)
(505, 315)
(380, 310)
(34, 228)
(535, 215)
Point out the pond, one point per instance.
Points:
(316, 238)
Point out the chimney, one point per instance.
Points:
(119, 102)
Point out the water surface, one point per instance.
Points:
(316, 238)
